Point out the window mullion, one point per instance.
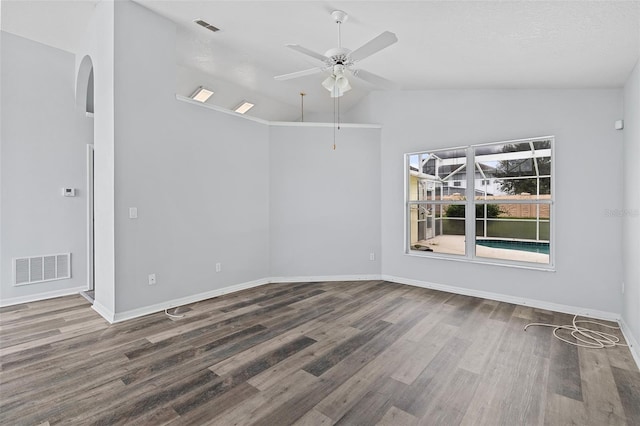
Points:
(470, 216)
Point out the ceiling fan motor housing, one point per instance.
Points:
(338, 56)
(339, 16)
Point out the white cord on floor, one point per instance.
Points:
(166, 311)
(590, 338)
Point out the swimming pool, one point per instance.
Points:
(532, 246)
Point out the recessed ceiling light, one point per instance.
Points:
(243, 107)
(201, 94)
(206, 25)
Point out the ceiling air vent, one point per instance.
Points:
(206, 25)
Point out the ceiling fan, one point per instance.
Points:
(341, 61)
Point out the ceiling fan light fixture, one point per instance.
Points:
(337, 85)
(329, 83)
(343, 83)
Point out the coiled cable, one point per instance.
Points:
(585, 337)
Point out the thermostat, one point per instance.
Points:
(69, 192)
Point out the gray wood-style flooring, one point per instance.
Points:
(362, 353)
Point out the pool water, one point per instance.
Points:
(532, 246)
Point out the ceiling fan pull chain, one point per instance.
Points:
(336, 119)
(338, 99)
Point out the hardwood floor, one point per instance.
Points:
(360, 353)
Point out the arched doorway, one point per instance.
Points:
(85, 102)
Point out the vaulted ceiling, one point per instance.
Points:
(442, 44)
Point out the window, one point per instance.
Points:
(430, 222)
(498, 211)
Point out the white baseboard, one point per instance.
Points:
(41, 296)
(319, 278)
(632, 342)
(550, 306)
(159, 307)
(105, 312)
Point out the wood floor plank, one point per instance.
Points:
(205, 413)
(325, 342)
(314, 418)
(369, 409)
(449, 405)
(413, 364)
(561, 410)
(255, 409)
(628, 385)
(361, 352)
(509, 390)
(599, 390)
(433, 379)
(341, 351)
(395, 416)
(351, 391)
(484, 341)
(564, 374)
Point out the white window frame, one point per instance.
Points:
(470, 204)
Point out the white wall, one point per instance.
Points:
(199, 178)
(44, 138)
(98, 45)
(631, 209)
(324, 203)
(588, 153)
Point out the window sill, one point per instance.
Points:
(483, 261)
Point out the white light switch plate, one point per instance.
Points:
(133, 212)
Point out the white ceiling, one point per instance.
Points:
(442, 44)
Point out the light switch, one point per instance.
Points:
(133, 212)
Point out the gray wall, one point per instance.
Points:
(588, 154)
(324, 203)
(631, 209)
(199, 178)
(44, 138)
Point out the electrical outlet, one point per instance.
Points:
(372, 256)
(152, 279)
(218, 267)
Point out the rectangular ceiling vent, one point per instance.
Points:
(37, 269)
(206, 25)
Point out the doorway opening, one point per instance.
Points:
(85, 102)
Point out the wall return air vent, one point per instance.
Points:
(37, 269)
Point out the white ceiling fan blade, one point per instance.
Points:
(308, 52)
(298, 74)
(385, 39)
(374, 79)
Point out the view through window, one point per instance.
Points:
(490, 201)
